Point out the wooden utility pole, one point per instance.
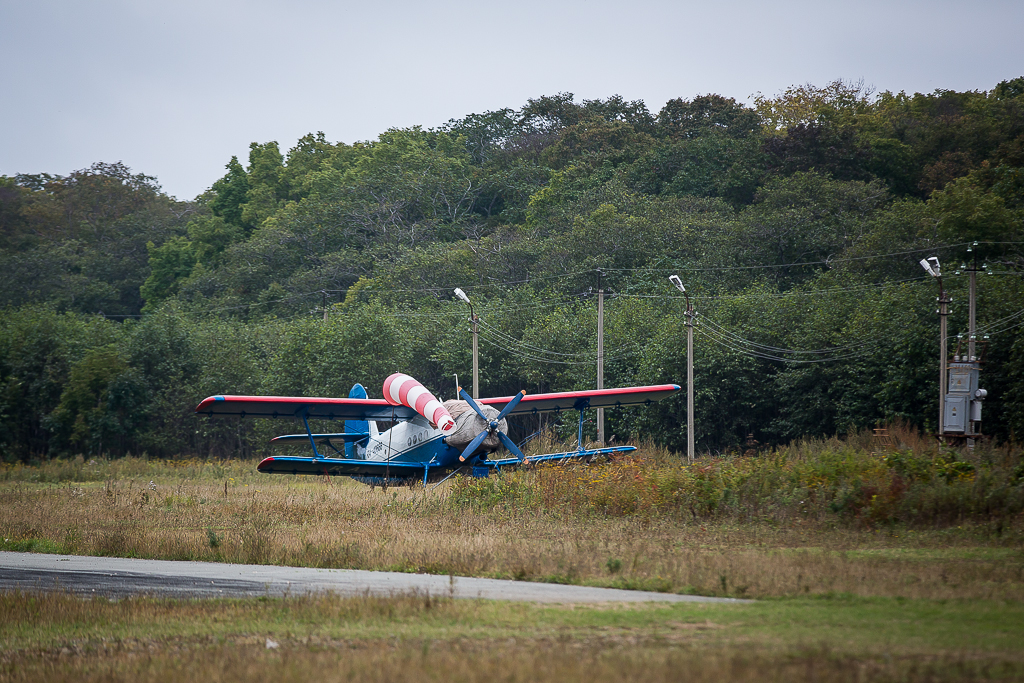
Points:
(476, 365)
(600, 361)
(690, 314)
(971, 425)
(972, 312)
(931, 265)
(943, 313)
(473, 320)
(689, 380)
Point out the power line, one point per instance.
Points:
(776, 295)
(729, 344)
(775, 349)
(798, 264)
(1000, 321)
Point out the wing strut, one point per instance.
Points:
(309, 433)
(581, 405)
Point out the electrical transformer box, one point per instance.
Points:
(963, 378)
(963, 399)
(956, 413)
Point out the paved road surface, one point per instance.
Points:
(121, 577)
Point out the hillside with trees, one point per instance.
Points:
(797, 223)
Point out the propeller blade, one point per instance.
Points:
(472, 404)
(511, 404)
(473, 445)
(511, 445)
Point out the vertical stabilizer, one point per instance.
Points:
(358, 449)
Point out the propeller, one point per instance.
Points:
(492, 426)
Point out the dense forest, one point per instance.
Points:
(796, 224)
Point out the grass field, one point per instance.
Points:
(916, 581)
(59, 637)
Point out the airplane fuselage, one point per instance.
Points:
(411, 450)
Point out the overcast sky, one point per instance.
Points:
(174, 88)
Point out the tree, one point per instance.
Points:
(171, 263)
(101, 405)
(707, 114)
(230, 193)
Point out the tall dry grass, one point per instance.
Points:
(310, 522)
(850, 482)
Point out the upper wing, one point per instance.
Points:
(312, 408)
(594, 398)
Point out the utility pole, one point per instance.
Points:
(476, 355)
(689, 367)
(689, 381)
(972, 307)
(600, 357)
(931, 264)
(324, 292)
(473, 320)
(965, 396)
(943, 341)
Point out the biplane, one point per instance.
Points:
(427, 440)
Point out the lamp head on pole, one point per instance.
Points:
(931, 264)
(674, 279)
(462, 295)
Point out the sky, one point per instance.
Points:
(174, 88)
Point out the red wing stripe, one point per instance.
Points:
(595, 398)
(294, 406)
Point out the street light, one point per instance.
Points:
(473, 319)
(931, 265)
(674, 279)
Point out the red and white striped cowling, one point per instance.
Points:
(403, 390)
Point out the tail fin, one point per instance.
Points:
(353, 450)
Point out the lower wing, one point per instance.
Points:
(340, 466)
(568, 456)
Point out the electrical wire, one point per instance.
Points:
(510, 349)
(1007, 328)
(801, 263)
(446, 288)
(777, 295)
(729, 344)
(985, 328)
(532, 353)
(518, 342)
(775, 349)
(632, 270)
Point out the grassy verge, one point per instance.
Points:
(61, 637)
(227, 512)
(309, 523)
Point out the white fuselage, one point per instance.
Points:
(403, 437)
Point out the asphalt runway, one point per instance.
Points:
(121, 577)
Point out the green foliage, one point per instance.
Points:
(820, 481)
(170, 263)
(230, 193)
(103, 400)
(796, 225)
